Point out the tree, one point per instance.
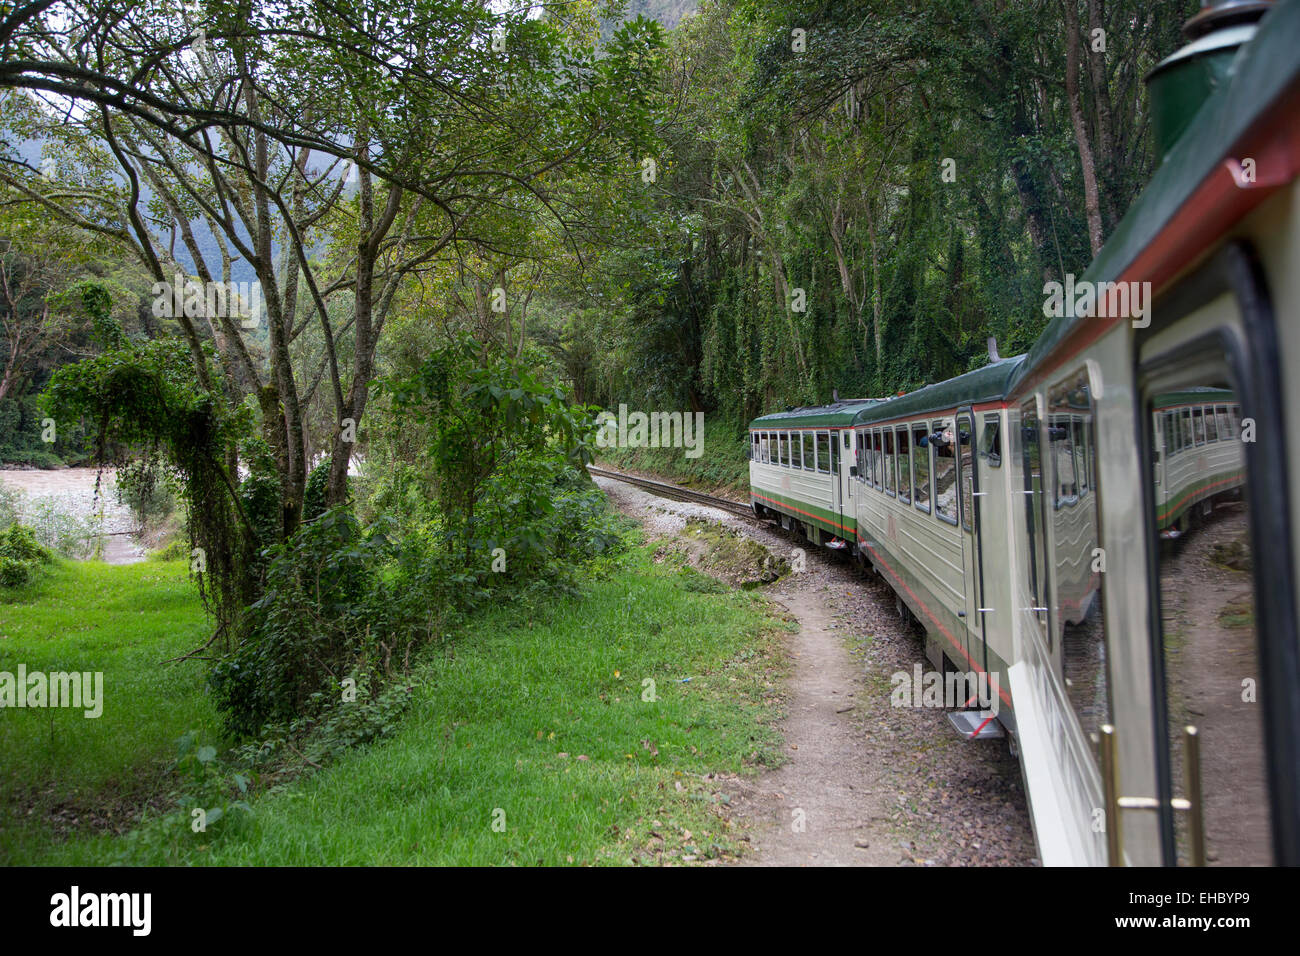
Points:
(471, 116)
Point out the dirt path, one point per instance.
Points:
(1210, 647)
(819, 807)
(865, 783)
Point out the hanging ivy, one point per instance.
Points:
(147, 396)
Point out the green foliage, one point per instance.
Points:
(499, 437)
(208, 802)
(144, 487)
(822, 170)
(62, 528)
(313, 499)
(337, 726)
(21, 556)
(148, 395)
(259, 497)
(324, 614)
(10, 504)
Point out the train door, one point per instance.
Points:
(848, 461)
(1222, 614)
(968, 481)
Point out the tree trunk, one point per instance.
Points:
(1092, 207)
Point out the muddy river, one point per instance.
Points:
(73, 491)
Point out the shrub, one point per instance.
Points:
(313, 501)
(177, 549)
(324, 613)
(10, 505)
(61, 528)
(20, 556)
(14, 573)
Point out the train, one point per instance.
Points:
(1104, 528)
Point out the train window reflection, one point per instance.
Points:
(904, 466)
(920, 468)
(991, 442)
(1031, 460)
(888, 438)
(824, 450)
(1077, 558)
(1063, 459)
(945, 473)
(965, 440)
(1208, 638)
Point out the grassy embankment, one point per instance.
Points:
(722, 467)
(529, 739)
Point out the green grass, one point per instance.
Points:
(60, 770)
(493, 712)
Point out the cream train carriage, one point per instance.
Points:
(1064, 522)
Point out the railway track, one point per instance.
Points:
(665, 490)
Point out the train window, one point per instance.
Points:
(991, 441)
(1209, 641)
(966, 474)
(887, 439)
(796, 449)
(1185, 428)
(1077, 582)
(1032, 464)
(1171, 435)
(784, 438)
(1066, 485)
(1225, 425)
(904, 465)
(877, 460)
(1198, 426)
(824, 450)
(920, 468)
(1211, 426)
(945, 473)
(809, 451)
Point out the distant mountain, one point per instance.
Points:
(668, 12)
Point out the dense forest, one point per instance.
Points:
(822, 196)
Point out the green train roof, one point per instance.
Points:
(982, 385)
(836, 414)
(1190, 396)
(1265, 67)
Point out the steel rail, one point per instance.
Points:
(665, 490)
